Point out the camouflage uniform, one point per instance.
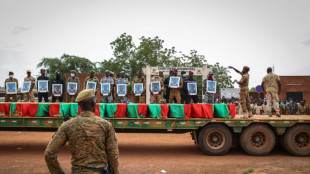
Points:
(272, 90)
(28, 96)
(141, 98)
(94, 79)
(176, 92)
(293, 107)
(73, 80)
(302, 110)
(244, 93)
(286, 110)
(208, 97)
(157, 98)
(108, 99)
(8, 96)
(92, 142)
(121, 81)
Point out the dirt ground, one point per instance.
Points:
(22, 152)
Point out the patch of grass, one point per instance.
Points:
(247, 171)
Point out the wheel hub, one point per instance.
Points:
(258, 139)
(302, 139)
(215, 139)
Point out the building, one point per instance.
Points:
(295, 87)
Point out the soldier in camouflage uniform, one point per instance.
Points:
(28, 96)
(122, 80)
(8, 96)
(293, 107)
(139, 79)
(110, 80)
(208, 97)
(92, 140)
(92, 78)
(73, 79)
(157, 98)
(244, 91)
(302, 108)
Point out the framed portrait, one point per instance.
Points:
(138, 89)
(26, 87)
(192, 88)
(91, 85)
(105, 89)
(155, 87)
(211, 86)
(174, 82)
(121, 89)
(57, 89)
(42, 85)
(72, 88)
(11, 88)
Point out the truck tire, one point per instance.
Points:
(297, 140)
(215, 139)
(257, 140)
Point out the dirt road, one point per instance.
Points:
(22, 152)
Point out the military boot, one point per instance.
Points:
(270, 114)
(250, 114)
(244, 115)
(278, 114)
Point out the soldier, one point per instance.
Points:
(113, 91)
(58, 80)
(122, 80)
(166, 83)
(244, 91)
(139, 79)
(73, 79)
(110, 80)
(42, 94)
(302, 108)
(189, 97)
(8, 96)
(92, 78)
(92, 140)
(176, 92)
(208, 97)
(28, 96)
(272, 90)
(157, 98)
(286, 108)
(183, 91)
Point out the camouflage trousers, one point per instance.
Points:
(274, 98)
(107, 99)
(29, 97)
(156, 99)
(122, 99)
(139, 99)
(8, 96)
(245, 101)
(208, 98)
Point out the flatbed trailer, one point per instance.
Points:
(256, 136)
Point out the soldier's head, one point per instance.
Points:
(57, 75)
(269, 70)
(28, 73)
(107, 73)
(122, 73)
(140, 73)
(245, 69)
(11, 74)
(175, 71)
(210, 75)
(302, 103)
(92, 74)
(183, 73)
(171, 72)
(87, 100)
(191, 74)
(73, 73)
(42, 72)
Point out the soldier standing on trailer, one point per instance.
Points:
(11, 79)
(73, 79)
(28, 96)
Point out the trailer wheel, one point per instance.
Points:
(257, 140)
(297, 140)
(215, 139)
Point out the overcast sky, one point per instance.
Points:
(258, 34)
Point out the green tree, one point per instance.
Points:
(221, 76)
(194, 59)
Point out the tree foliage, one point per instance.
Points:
(221, 76)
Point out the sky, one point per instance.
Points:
(256, 33)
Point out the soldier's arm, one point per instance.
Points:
(52, 149)
(237, 71)
(112, 149)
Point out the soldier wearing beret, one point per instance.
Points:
(28, 96)
(42, 94)
(73, 79)
(244, 91)
(91, 78)
(92, 140)
(10, 88)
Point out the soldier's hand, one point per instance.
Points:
(230, 67)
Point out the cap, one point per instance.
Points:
(28, 71)
(210, 72)
(107, 71)
(246, 67)
(122, 72)
(301, 101)
(111, 72)
(175, 69)
(92, 72)
(72, 71)
(191, 72)
(85, 95)
(42, 69)
(11, 72)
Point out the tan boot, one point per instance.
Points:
(244, 115)
(250, 114)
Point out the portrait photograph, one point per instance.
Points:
(91, 85)
(72, 88)
(211, 86)
(192, 88)
(26, 87)
(105, 89)
(174, 82)
(138, 89)
(155, 87)
(121, 89)
(11, 88)
(57, 89)
(42, 85)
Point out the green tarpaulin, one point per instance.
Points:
(154, 110)
(70, 109)
(176, 111)
(43, 110)
(102, 107)
(221, 111)
(111, 109)
(133, 111)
